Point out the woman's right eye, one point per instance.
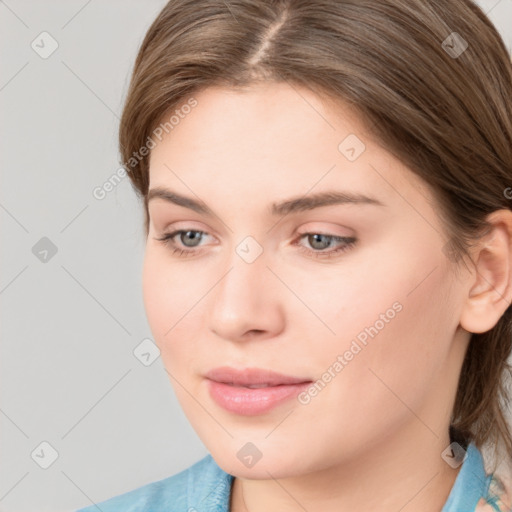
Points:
(168, 240)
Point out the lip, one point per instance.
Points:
(252, 376)
(227, 387)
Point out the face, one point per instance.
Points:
(355, 297)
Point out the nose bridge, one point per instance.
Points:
(244, 277)
(242, 300)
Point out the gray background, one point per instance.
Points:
(70, 323)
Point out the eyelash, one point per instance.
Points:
(348, 243)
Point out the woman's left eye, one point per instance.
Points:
(194, 235)
(346, 243)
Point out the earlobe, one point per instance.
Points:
(490, 291)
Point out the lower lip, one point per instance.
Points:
(249, 402)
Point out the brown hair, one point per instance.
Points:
(443, 109)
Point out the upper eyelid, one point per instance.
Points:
(187, 226)
(317, 231)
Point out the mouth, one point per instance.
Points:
(252, 391)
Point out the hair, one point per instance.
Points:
(444, 113)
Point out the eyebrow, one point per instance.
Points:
(297, 204)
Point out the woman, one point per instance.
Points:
(328, 268)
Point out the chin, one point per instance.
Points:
(271, 464)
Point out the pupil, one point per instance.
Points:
(317, 238)
(193, 236)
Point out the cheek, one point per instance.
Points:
(407, 357)
(171, 303)
(156, 293)
(391, 315)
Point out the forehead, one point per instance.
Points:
(272, 138)
(260, 119)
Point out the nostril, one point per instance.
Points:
(253, 332)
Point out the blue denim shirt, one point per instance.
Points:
(205, 487)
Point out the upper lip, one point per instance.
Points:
(251, 376)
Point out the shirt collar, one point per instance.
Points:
(209, 487)
(471, 483)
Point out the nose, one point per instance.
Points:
(246, 302)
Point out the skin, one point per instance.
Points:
(372, 438)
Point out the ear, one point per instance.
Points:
(490, 291)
